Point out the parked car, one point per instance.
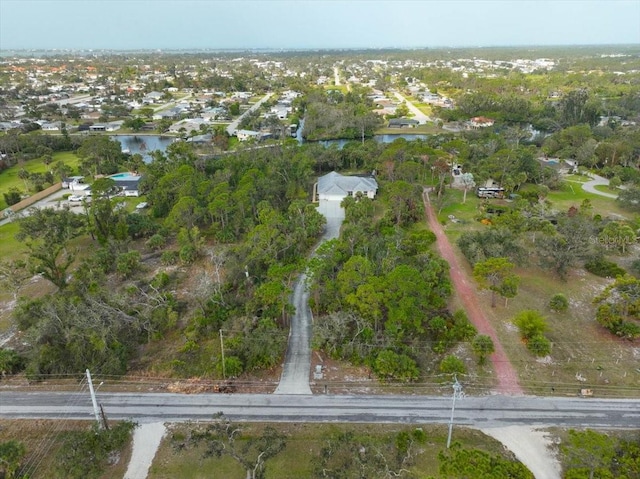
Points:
(75, 198)
(142, 205)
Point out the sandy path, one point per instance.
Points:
(532, 448)
(146, 440)
(507, 377)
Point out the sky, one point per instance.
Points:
(313, 24)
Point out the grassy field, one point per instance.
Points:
(9, 177)
(304, 442)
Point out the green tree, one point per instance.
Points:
(496, 274)
(588, 454)
(135, 123)
(11, 454)
(458, 462)
(619, 307)
(618, 235)
(46, 233)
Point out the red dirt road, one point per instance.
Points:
(507, 377)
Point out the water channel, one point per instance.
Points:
(145, 144)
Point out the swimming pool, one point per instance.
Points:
(124, 176)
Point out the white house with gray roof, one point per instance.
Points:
(336, 187)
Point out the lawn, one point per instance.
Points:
(607, 189)
(572, 195)
(9, 177)
(304, 443)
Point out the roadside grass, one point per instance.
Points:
(43, 439)
(304, 443)
(9, 177)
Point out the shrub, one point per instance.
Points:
(559, 302)
(169, 257)
(530, 323)
(12, 197)
(188, 254)
(391, 365)
(10, 362)
(156, 242)
(603, 268)
(128, 263)
(539, 345)
(452, 365)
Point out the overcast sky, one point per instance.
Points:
(302, 24)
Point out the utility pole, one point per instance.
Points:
(224, 368)
(457, 390)
(96, 410)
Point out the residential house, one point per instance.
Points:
(403, 123)
(152, 97)
(244, 135)
(480, 122)
(51, 126)
(336, 187)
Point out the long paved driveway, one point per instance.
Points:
(297, 364)
(507, 377)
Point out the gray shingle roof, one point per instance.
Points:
(337, 184)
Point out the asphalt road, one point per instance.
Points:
(480, 412)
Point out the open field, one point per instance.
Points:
(304, 443)
(584, 355)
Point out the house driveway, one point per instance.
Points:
(297, 364)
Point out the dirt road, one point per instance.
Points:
(507, 377)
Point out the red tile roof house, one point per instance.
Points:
(480, 122)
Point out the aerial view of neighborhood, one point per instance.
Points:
(320, 262)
